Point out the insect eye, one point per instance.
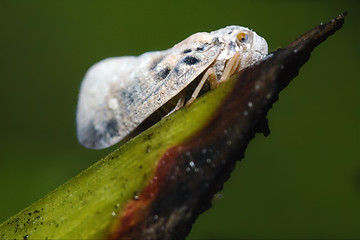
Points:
(242, 37)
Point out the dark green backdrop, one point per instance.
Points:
(302, 181)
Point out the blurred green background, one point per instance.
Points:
(303, 181)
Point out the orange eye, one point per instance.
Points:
(242, 37)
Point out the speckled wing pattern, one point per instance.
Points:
(117, 94)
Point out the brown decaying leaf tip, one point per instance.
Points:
(188, 175)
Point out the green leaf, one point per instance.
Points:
(87, 205)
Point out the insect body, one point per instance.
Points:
(118, 94)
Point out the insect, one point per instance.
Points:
(118, 94)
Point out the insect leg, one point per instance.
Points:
(209, 75)
(231, 67)
(179, 105)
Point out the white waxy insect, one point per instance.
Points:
(118, 94)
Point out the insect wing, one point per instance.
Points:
(95, 110)
(117, 94)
